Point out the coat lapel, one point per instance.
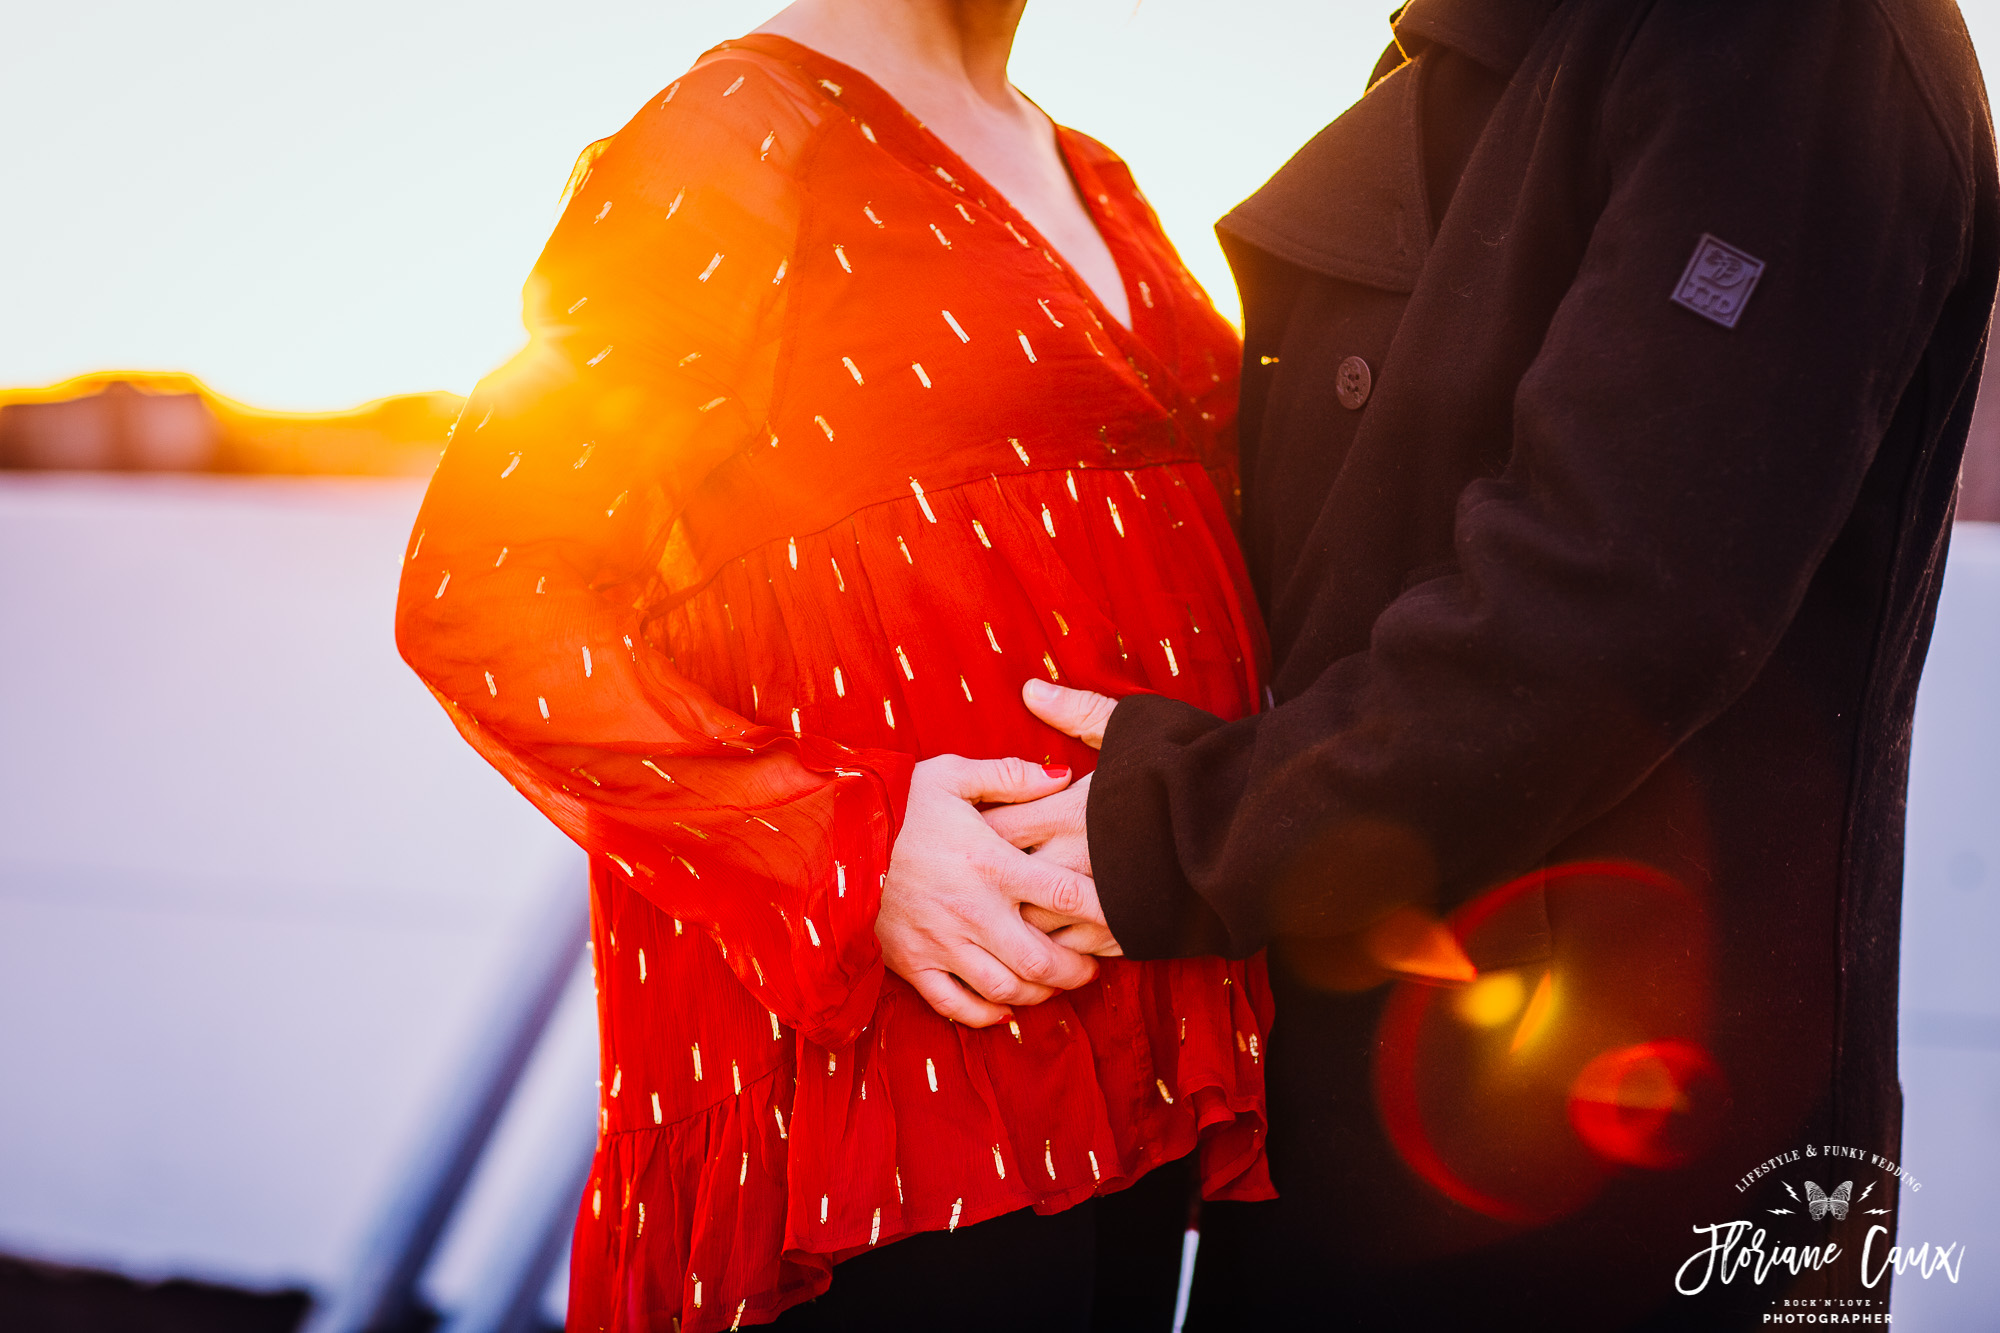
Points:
(1351, 203)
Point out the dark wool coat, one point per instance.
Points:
(1588, 555)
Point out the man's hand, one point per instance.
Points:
(951, 919)
(1053, 828)
(1077, 713)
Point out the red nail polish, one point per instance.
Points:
(1056, 770)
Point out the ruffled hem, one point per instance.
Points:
(734, 1214)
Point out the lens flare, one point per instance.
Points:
(1575, 1053)
(1492, 1000)
(1650, 1105)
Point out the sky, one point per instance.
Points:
(313, 206)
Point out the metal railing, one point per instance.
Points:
(382, 1292)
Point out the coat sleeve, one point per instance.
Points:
(1671, 489)
(549, 532)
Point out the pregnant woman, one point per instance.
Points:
(823, 445)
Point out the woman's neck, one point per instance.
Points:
(942, 59)
(945, 61)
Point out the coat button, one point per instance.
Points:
(1352, 383)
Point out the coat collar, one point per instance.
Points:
(1352, 203)
(1496, 33)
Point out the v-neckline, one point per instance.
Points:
(957, 172)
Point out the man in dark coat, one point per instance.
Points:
(1608, 367)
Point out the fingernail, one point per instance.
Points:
(1041, 691)
(1056, 770)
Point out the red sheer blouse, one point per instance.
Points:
(818, 453)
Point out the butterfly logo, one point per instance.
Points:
(1819, 1203)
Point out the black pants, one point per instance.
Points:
(1107, 1266)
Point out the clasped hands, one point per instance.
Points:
(983, 910)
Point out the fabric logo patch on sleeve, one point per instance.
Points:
(1718, 281)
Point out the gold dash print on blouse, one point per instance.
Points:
(904, 659)
(1049, 1157)
(1116, 521)
(980, 529)
(989, 636)
(922, 378)
(491, 688)
(1026, 346)
(1165, 1096)
(824, 428)
(725, 92)
(839, 684)
(889, 714)
(586, 663)
(930, 1072)
(1014, 1027)
(1069, 480)
(659, 1117)
(852, 369)
(967, 688)
(999, 1162)
(712, 265)
(840, 253)
(1048, 521)
(1095, 1174)
(1050, 313)
(696, 1048)
(943, 239)
(923, 503)
(956, 327)
(1173, 663)
(956, 1205)
(875, 1228)
(764, 149)
(868, 211)
(675, 206)
(1023, 453)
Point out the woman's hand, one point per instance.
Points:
(951, 921)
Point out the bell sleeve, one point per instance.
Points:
(541, 545)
